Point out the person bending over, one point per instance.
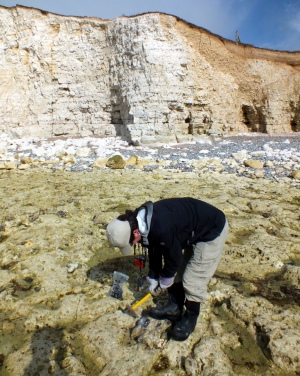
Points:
(185, 238)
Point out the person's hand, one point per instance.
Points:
(153, 284)
(164, 283)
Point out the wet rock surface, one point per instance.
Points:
(57, 267)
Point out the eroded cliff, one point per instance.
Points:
(151, 77)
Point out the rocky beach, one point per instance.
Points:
(98, 116)
(57, 196)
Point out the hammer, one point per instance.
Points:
(131, 309)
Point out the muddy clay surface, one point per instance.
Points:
(57, 268)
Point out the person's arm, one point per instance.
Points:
(163, 277)
(172, 255)
(155, 262)
(172, 260)
(165, 246)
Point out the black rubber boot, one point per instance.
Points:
(186, 325)
(173, 309)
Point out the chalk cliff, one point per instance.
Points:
(148, 78)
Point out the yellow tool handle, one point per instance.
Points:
(141, 301)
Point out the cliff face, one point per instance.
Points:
(151, 77)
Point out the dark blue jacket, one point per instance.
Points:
(175, 224)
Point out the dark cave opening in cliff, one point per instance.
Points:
(254, 119)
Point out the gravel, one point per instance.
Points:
(280, 154)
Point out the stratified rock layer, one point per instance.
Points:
(148, 78)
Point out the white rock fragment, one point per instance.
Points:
(278, 264)
(259, 153)
(72, 267)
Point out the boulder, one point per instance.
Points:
(296, 174)
(253, 163)
(116, 162)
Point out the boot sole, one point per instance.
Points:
(181, 339)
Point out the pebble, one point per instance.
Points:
(72, 267)
(277, 156)
(278, 264)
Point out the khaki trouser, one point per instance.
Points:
(200, 262)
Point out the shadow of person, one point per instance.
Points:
(123, 264)
(103, 273)
(48, 352)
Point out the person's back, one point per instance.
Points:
(191, 219)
